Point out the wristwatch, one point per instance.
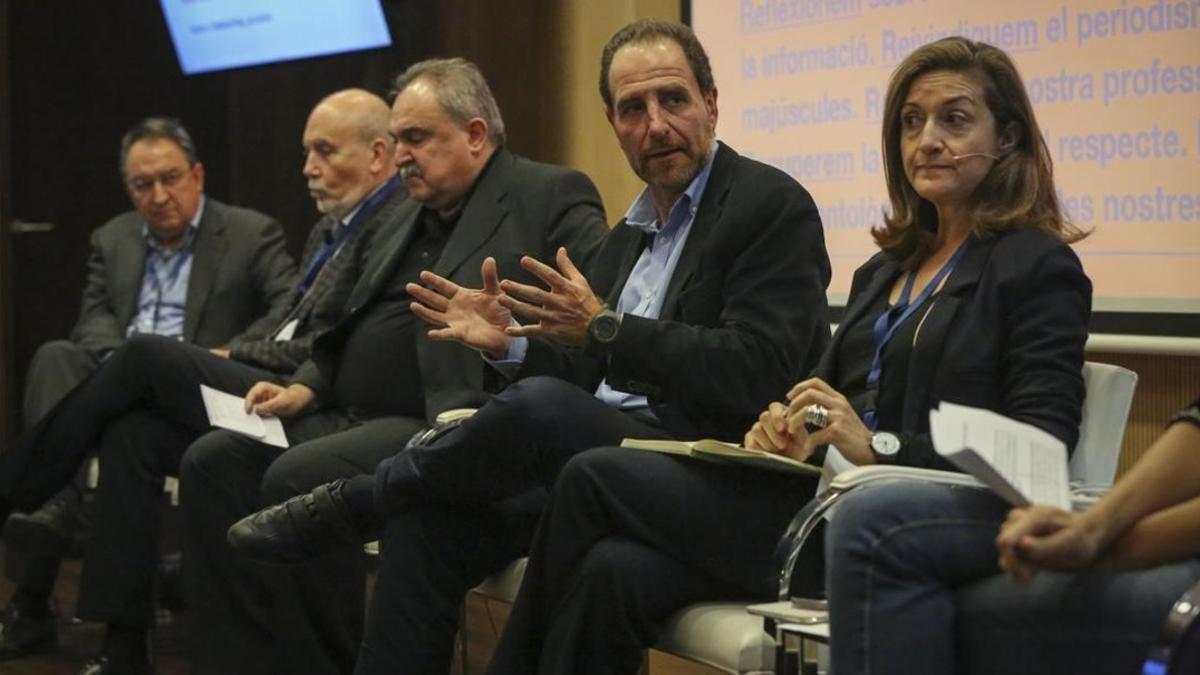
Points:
(885, 444)
(602, 331)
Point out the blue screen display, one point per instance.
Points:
(219, 34)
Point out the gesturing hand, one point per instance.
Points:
(563, 312)
(474, 317)
(268, 398)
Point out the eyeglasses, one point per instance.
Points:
(144, 185)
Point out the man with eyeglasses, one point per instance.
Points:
(180, 266)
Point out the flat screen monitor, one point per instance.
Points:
(214, 35)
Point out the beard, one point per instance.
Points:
(674, 172)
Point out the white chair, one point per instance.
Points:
(1109, 394)
(726, 637)
(719, 635)
(1105, 411)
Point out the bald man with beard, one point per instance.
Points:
(142, 408)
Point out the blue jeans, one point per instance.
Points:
(1068, 623)
(914, 588)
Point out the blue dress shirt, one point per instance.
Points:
(164, 289)
(646, 286)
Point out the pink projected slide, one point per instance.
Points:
(1115, 83)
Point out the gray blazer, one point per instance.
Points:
(240, 271)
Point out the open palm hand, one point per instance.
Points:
(472, 316)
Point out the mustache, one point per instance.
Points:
(663, 149)
(409, 170)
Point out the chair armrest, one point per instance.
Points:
(444, 423)
(454, 415)
(788, 549)
(1177, 649)
(864, 475)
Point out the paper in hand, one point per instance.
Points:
(228, 412)
(1020, 462)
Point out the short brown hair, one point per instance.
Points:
(654, 30)
(1019, 190)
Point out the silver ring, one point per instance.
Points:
(816, 415)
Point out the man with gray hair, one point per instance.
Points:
(374, 379)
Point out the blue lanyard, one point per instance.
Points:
(892, 318)
(173, 266)
(329, 248)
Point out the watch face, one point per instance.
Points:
(884, 443)
(604, 327)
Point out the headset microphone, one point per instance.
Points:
(975, 154)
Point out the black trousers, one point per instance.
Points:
(628, 539)
(138, 411)
(466, 506)
(147, 372)
(249, 618)
(56, 368)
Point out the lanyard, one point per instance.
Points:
(173, 266)
(329, 248)
(890, 320)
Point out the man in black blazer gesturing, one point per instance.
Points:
(702, 306)
(142, 406)
(374, 379)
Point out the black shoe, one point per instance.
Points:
(56, 529)
(299, 529)
(22, 635)
(102, 665)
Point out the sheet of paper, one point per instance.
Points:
(227, 412)
(1022, 463)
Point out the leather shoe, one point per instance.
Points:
(22, 635)
(302, 528)
(56, 529)
(102, 665)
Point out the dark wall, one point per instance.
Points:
(7, 362)
(81, 73)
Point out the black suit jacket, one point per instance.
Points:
(517, 207)
(745, 313)
(325, 302)
(1006, 332)
(240, 271)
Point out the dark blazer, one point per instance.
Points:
(325, 301)
(517, 207)
(745, 313)
(240, 271)
(1006, 332)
